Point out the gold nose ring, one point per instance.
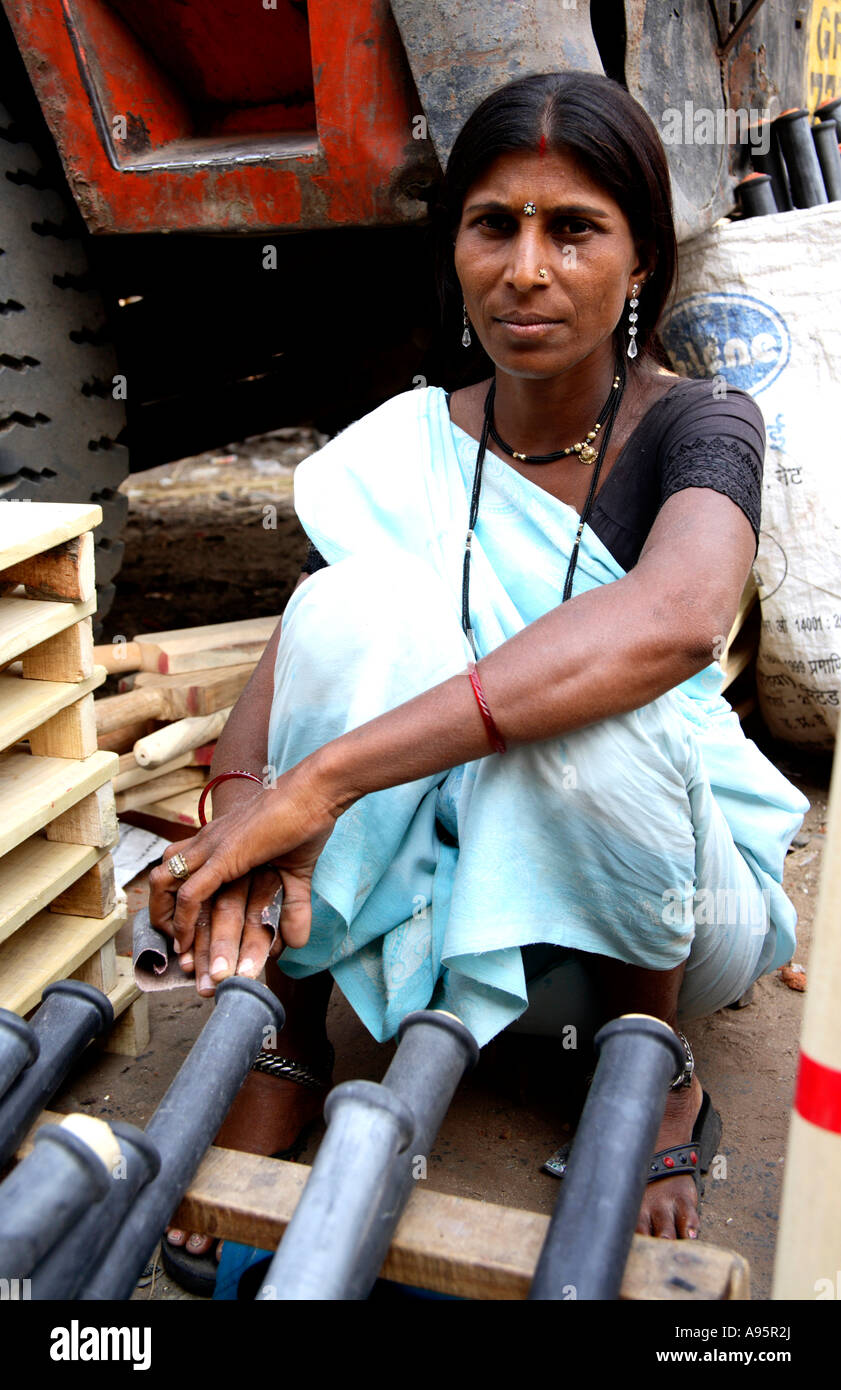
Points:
(543, 273)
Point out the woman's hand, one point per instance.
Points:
(269, 841)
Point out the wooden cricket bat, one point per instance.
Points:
(189, 648)
(173, 697)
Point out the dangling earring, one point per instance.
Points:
(632, 322)
(466, 339)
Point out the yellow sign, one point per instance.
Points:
(823, 79)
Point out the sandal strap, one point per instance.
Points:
(275, 1065)
(668, 1163)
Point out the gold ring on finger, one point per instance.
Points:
(177, 866)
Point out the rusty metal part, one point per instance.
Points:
(460, 52)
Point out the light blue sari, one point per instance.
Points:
(652, 836)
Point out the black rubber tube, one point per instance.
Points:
(756, 195)
(829, 110)
(70, 1016)
(44, 1196)
(18, 1048)
(772, 164)
(804, 172)
(185, 1122)
(63, 1271)
(592, 1226)
(434, 1052)
(825, 136)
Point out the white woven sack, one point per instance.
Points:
(759, 307)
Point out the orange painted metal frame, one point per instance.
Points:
(139, 160)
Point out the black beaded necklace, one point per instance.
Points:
(606, 422)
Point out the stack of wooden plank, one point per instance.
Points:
(59, 907)
(176, 692)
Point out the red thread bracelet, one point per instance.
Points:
(214, 781)
(494, 735)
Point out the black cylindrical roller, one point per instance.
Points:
(829, 110)
(756, 195)
(70, 1016)
(62, 1272)
(825, 136)
(185, 1122)
(434, 1051)
(68, 1169)
(804, 172)
(318, 1257)
(18, 1048)
(771, 162)
(592, 1226)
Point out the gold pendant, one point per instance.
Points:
(587, 454)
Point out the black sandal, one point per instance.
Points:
(694, 1157)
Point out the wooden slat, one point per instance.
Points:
(26, 704)
(28, 622)
(452, 1245)
(131, 774)
(130, 1035)
(64, 573)
(171, 784)
(183, 809)
(35, 873)
(34, 791)
(50, 947)
(173, 697)
(68, 656)
(743, 638)
(69, 734)
(92, 821)
(27, 528)
(92, 895)
(191, 648)
(100, 969)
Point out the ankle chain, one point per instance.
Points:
(274, 1065)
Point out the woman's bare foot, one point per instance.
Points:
(670, 1205)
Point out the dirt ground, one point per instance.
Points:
(514, 1109)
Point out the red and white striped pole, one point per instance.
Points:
(808, 1261)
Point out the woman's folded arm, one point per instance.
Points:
(602, 653)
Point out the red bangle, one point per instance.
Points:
(494, 735)
(214, 781)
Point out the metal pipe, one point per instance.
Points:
(185, 1122)
(68, 1169)
(18, 1048)
(804, 171)
(592, 1226)
(63, 1271)
(70, 1016)
(344, 1226)
(825, 136)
